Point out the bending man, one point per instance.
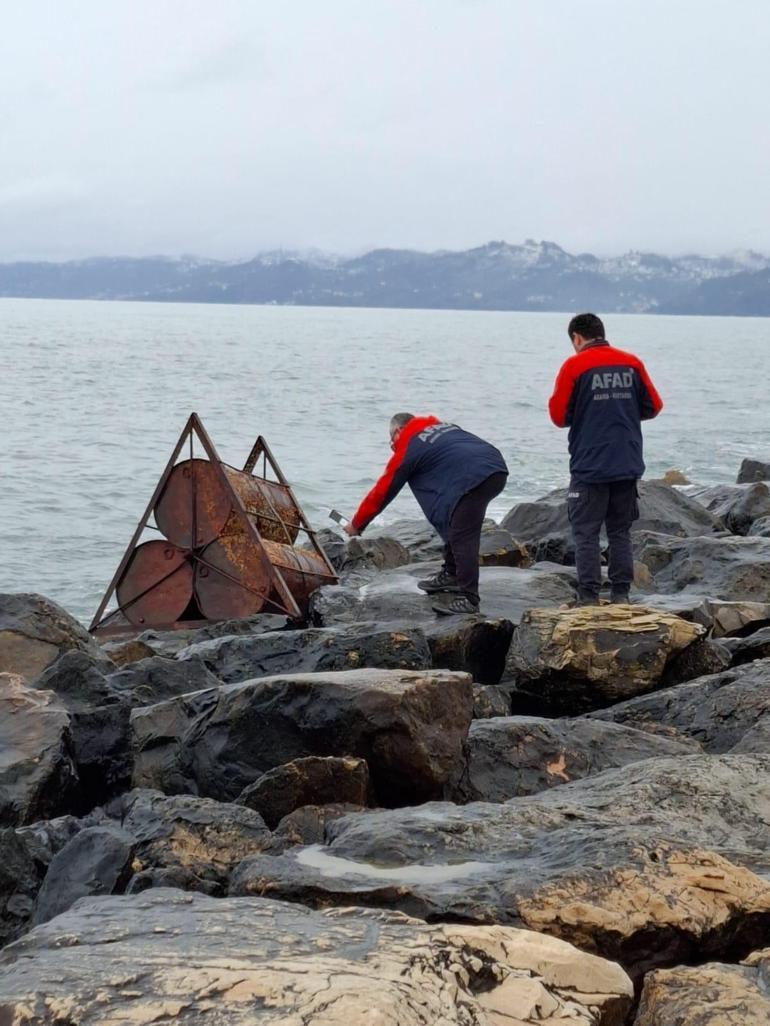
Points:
(454, 475)
(602, 394)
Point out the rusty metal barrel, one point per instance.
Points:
(157, 585)
(234, 579)
(268, 503)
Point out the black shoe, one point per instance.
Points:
(620, 598)
(442, 581)
(455, 605)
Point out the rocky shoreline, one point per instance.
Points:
(539, 815)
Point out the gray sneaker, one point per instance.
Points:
(455, 605)
(442, 581)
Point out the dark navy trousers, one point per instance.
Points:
(461, 551)
(616, 506)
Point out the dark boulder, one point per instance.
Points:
(737, 506)
(704, 656)
(315, 780)
(649, 864)
(754, 646)
(38, 778)
(732, 568)
(188, 842)
(21, 875)
(566, 662)
(760, 528)
(365, 555)
(165, 956)
(35, 631)
(753, 470)
(307, 825)
(479, 647)
(490, 700)
(499, 548)
(159, 678)
(507, 757)
(543, 526)
(96, 861)
(310, 651)
(420, 540)
(127, 651)
(717, 711)
(407, 725)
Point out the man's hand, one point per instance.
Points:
(351, 530)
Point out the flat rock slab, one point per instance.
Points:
(732, 568)
(393, 596)
(722, 712)
(169, 956)
(574, 660)
(38, 778)
(632, 863)
(409, 727)
(510, 756)
(713, 994)
(234, 659)
(755, 646)
(34, 631)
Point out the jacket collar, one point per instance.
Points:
(594, 344)
(414, 427)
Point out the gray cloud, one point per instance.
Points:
(225, 129)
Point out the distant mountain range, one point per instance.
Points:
(497, 276)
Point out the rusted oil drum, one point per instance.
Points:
(220, 596)
(268, 502)
(162, 571)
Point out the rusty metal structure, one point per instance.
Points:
(231, 545)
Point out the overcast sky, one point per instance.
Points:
(225, 128)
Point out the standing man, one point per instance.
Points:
(454, 476)
(602, 394)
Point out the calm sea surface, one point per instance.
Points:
(94, 396)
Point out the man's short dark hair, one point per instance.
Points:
(586, 324)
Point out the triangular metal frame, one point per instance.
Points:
(287, 604)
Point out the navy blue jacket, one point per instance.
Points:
(440, 463)
(603, 394)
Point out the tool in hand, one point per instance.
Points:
(337, 517)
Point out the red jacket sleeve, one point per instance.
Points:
(387, 488)
(558, 404)
(651, 403)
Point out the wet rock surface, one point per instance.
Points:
(166, 955)
(233, 659)
(409, 727)
(38, 778)
(732, 568)
(569, 661)
(719, 711)
(507, 757)
(737, 506)
(34, 631)
(713, 994)
(648, 864)
(311, 781)
(753, 470)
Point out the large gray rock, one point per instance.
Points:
(168, 643)
(753, 470)
(719, 711)
(543, 526)
(312, 781)
(721, 617)
(649, 864)
(510, 756)
(393, 596)
(188, 842)
(191, 959)
(732, 568)
(34, 631)
(713, 994)
(737, 506)
(760, 528)
(566, 662)
(237, 659)
(754, 646)
(38, 778)
(420, 540)
(408, 725)
(159, 677)
(96, 861)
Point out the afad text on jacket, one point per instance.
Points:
(602, 394)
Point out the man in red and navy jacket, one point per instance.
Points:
(454, 475)
(602, 394)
